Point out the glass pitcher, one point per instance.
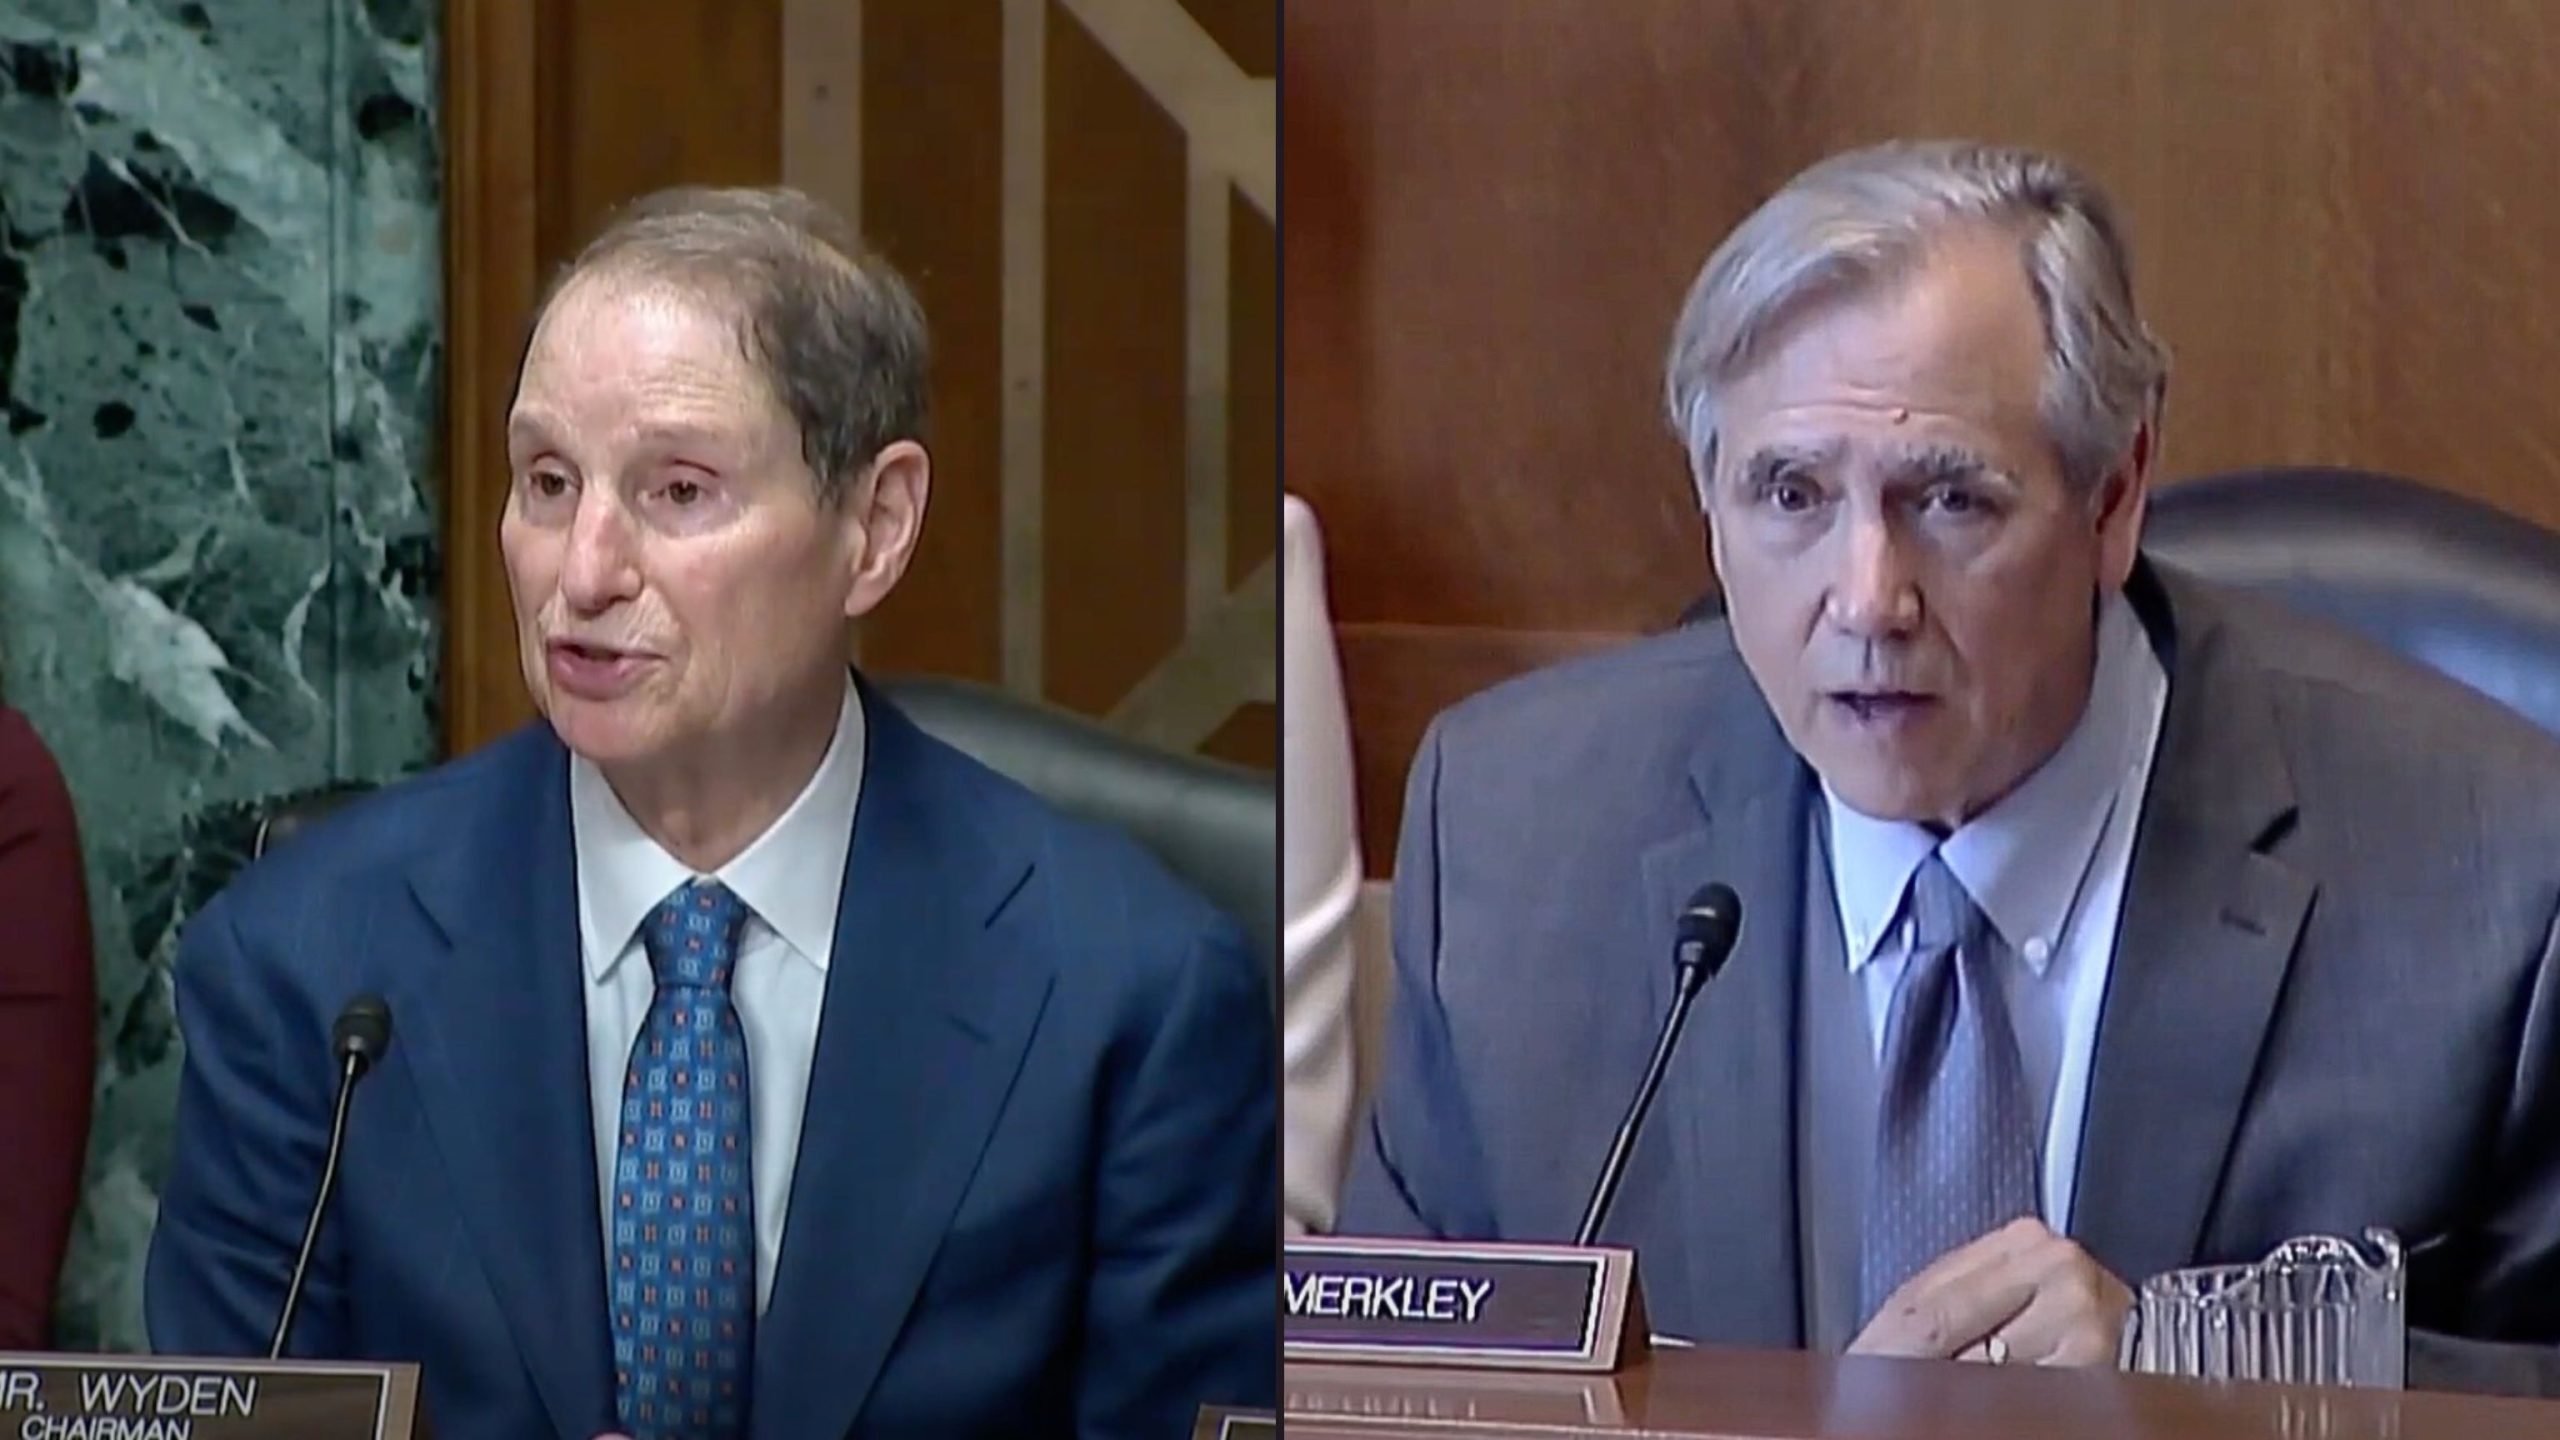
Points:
(2319, 1310)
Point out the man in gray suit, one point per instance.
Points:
(2098, 922)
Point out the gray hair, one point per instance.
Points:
(832, 327)
(1866, 216)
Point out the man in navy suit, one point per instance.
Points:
(762, 1067)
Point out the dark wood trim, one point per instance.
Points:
(556, 111)
(493, 216)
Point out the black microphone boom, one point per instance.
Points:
(362, 1033)
(1707, 928)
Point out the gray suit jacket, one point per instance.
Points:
(2335, 1001)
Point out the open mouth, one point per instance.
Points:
(1869, 707)
(594, 672)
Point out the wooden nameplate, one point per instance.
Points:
(138, 1397)
(1491, 1306)
(1217, 1422)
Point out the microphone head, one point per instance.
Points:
(1708, 926)
(362, 1033)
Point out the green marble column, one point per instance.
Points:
(219, 260)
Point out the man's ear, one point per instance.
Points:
(2122, 500)
(888, 505)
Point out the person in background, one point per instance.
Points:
(1320, 885)
(48, 1030)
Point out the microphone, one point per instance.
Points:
(1707, 927)
(361, 1034)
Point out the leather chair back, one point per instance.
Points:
(2447, 581)
(1217, 825)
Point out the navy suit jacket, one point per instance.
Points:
(1036, 1188)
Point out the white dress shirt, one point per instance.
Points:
(791, 878)
(1319, 886)
(2047, 864)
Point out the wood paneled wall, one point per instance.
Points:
(2341, 219)
(1083, 193)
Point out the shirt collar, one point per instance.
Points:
(791, 876)
(2025, 859)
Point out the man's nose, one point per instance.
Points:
(1875, 594)
(601, 566)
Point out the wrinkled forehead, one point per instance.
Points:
(1886, 458)
(619, 304)
(638, 351)
(1946, 365)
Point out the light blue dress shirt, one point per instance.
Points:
(2047, 863)
(792, 879)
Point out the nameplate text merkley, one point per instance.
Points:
(1547, 1307)
(1416, 1299)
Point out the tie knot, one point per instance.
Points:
(692, 937)
(1943, 915)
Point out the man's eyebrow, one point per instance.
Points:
(528, 427)
(1941, 461)
(1769, 461)
(676, 433)
(534, 428)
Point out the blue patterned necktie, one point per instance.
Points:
(684, 1250)
(1956, 1143)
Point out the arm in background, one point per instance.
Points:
(48, 1030)
(1320, 886)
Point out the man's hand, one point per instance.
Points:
(2041, 1295)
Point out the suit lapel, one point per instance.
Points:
(1734, 1073)
(926, 1022)
(494, 1029)
(2211, 915)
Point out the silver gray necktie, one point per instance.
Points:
(1956, 1143)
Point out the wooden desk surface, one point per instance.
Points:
(1786, 1395)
